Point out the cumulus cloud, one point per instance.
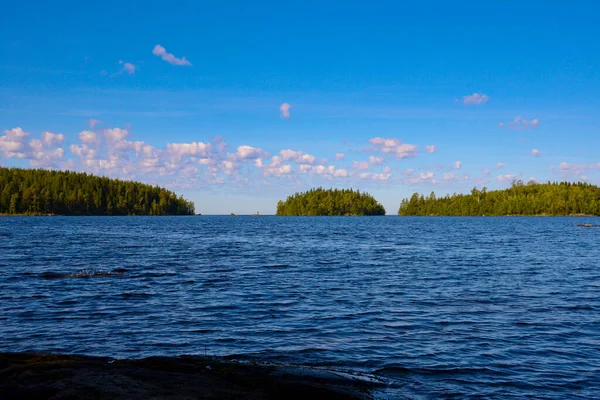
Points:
(127, 67)
(449, 176)
(110, 152)
(375, 160)
(298, 157)
(506, 177)
(285, 110)
(88, 137)
(52, 139)
(93, 122)
(161, 52)
(458, 164)
(276, 168)
(362, 165)
(500, 165)
(13, 141)
(249, 152)
(411, 177)
(324, 171)
(535, 152)
(394, 146)
(41, 152)
(115, 134)
(519, 123)
(195, 149)
(375, 177)
(576, 169)
(426, 175)
(340, 156)
(475, 98)
(430, 149)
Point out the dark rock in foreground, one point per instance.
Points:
(44, 376)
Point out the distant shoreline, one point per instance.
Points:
(37, 375)
(309, 216)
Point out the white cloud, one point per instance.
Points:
(305, 168)
(195, 149)
(362, 165)
(276, 168)
(41, 152)
(535, 152)
(298, 157)
(229, 167)
(324, 171)
(375, 160)
(52, 139)
(14, 143)
(475, 98)
(46, 157)
(340, 156)
(577, 169)
(93, 122)
(115, 134)
(520, 123)
(500, 165)
(423, 177)
(430, 149)
(249, 152)
(83, 151)
(375, 177)
(88, 137)
(506, 177)
(285, 110)
(168, 57)
(457, 164)
(394, 146)
(128, 67)
(449, 176)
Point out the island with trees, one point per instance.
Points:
(552, 199)
(44, 192)
(330, 202)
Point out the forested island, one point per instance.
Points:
(330, 202)
(557, 199)
(43, 192)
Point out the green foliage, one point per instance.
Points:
(37, 191)
(563, 198)
(330, 202)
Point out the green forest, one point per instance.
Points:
(563, 198)
(43, 192)
(329, 202)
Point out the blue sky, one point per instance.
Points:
(237, 105)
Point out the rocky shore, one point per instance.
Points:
(57, 376)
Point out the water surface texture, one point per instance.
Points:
(438, 307)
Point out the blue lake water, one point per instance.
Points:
(437, 307)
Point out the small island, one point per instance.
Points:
(329, 202)
(45, 192)
(531, 199)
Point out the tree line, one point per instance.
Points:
(330, 202)
(39, 192)
(552, 198)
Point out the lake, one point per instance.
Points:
(437, 307)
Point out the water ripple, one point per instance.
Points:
(439, 307)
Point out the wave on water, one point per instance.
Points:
(84, 273)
